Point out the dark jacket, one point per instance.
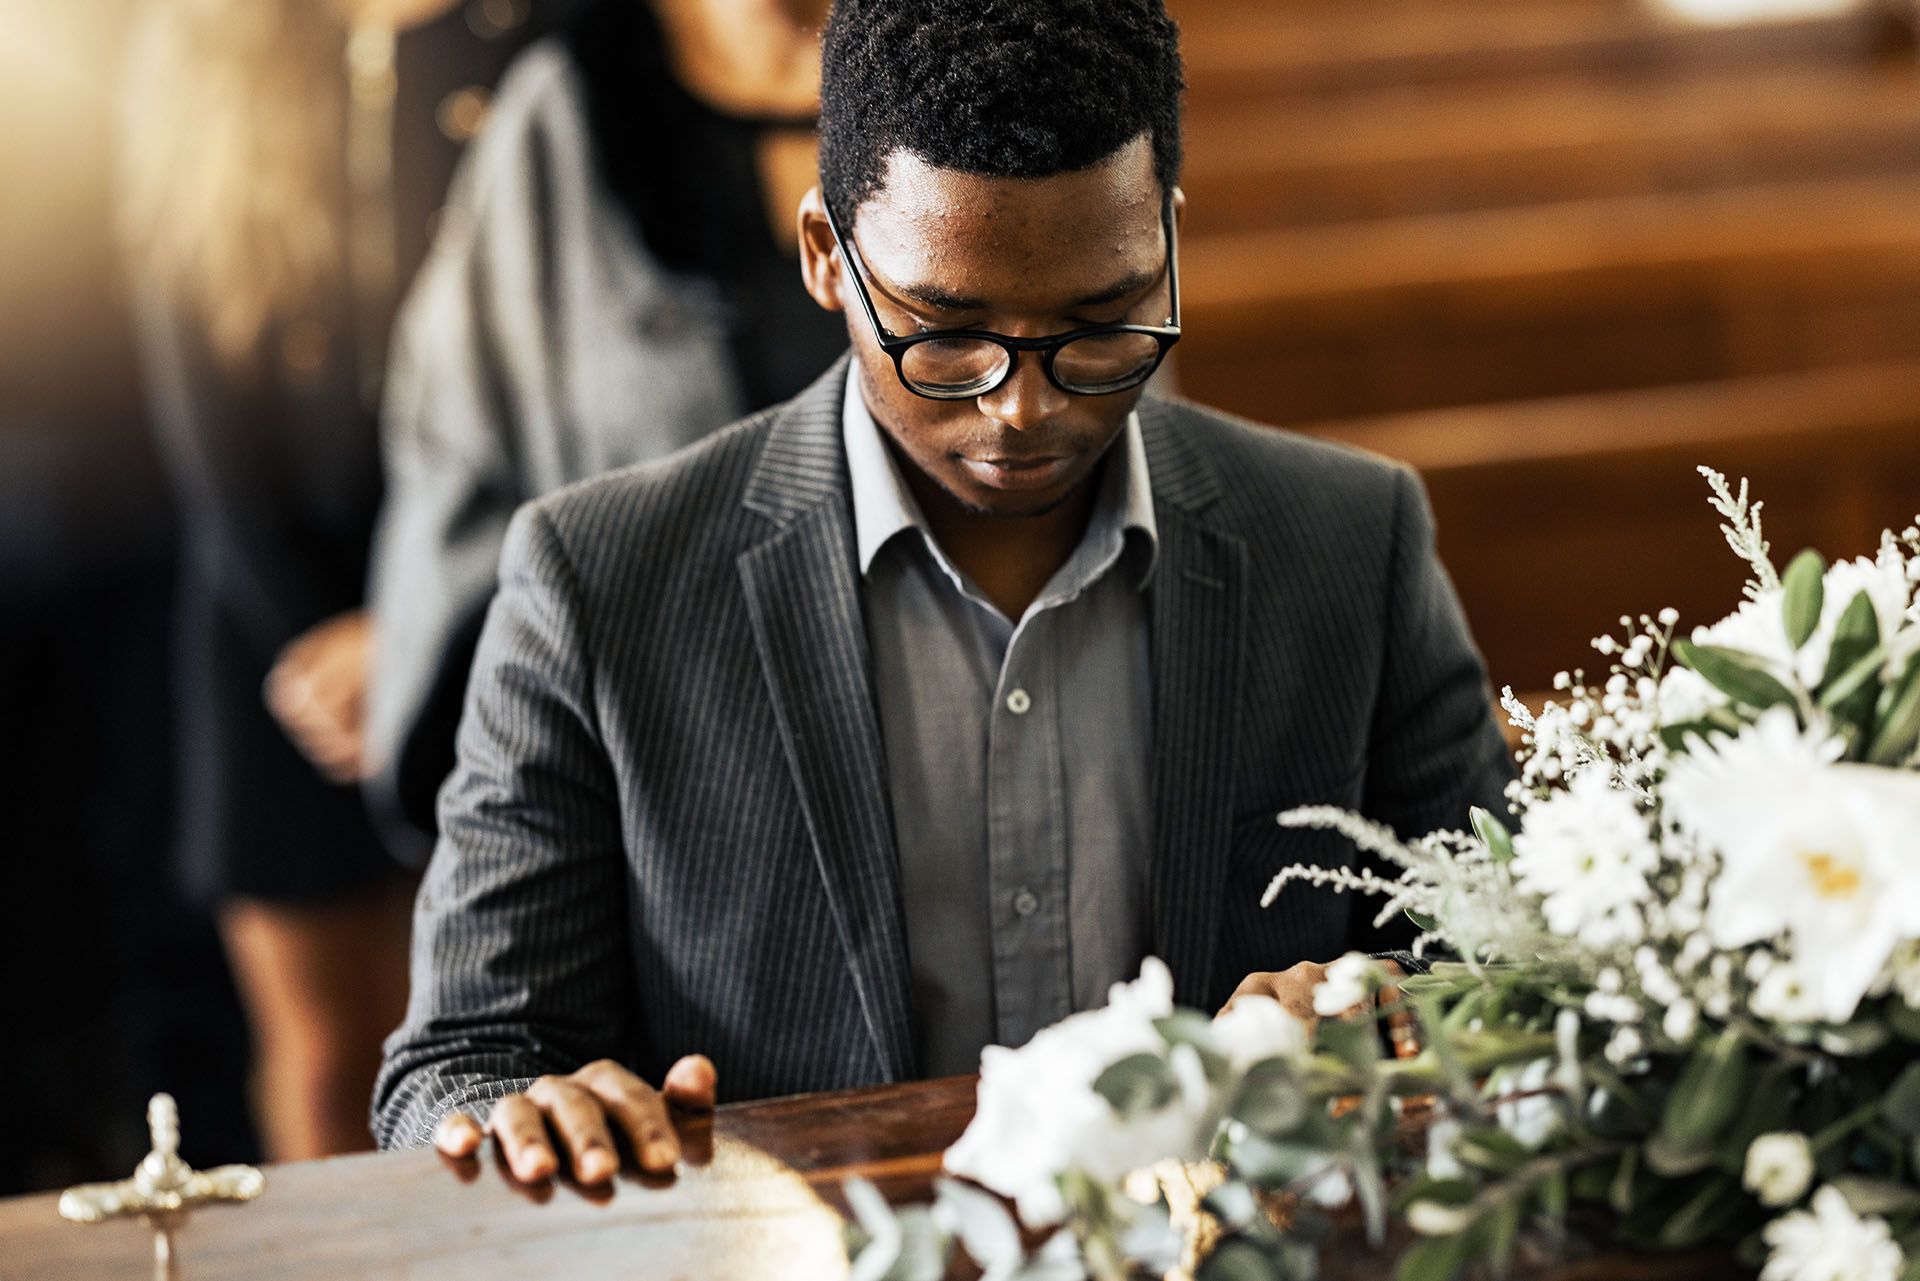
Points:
(669, 827)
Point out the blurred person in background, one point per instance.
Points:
(618, 276)
(272, 177)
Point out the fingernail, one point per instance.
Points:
(660, 1155)
(537, 1164)
(595, 1164)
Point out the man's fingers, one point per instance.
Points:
(520, 1129)
(692, 1082)
(457, 1134)
(641, 1115)
(581, 1122)
(1402, 1028)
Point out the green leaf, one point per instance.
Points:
(1355, 1044)
(1620, 1190)
(1492, 1150)
(1670, 1160)
(1238, 1261)
(1270, 1100)
(1883, 1197)
(1136, 1084)
(1707, 1095)
(1740, 676)
(1851, 683)
(1900, 724)
(1190, 1027)
(1901, 1106)
(1434, 1259)
(1493, 834)
(1503, 1229)
(1804, 596)
(1704, 1214)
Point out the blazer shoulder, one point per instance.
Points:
(686, 503)
(1261, 468)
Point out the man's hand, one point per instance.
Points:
(1293, 989)
(317, 690)
(584, 1112)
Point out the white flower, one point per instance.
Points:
(1759, 626)
(1903, 973)
(1824, 853)
(1586, 852)
(1830, 1243)
(1528, 1110)
(1349, 982)
(1038, 1115)
(1441, 1136)
(1258, 1028)
(1785, 997)
(1779, 1167)
(1680, 1021)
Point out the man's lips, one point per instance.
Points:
(1017, 473)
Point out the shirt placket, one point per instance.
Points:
(1027, 838)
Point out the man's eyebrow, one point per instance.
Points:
(940, 299)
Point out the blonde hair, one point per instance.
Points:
(231, 159)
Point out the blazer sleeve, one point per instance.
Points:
(471, 389)
(1436, 749)
(520, 961)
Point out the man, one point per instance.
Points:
(905, 717)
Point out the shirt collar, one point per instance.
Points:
(883, 506)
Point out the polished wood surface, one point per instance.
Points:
(759, 1197)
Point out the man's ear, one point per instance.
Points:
(819, 257)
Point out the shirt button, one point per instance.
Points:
(1018, 702)
(1025, 903)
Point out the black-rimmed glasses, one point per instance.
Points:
(958, 364)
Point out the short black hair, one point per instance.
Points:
(1006, 88)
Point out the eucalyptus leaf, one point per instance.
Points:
(1492, 1150)
(1665, 1157)
(1704, 1213)
(1434, 1259)
(1803, 597)
(1270, 1100)
(1238, 1261)
(1191, 1027)
(1493, 834)
(1137, 1084)
(1355, 1044)
(1707, 1095)
(1621, 1189)
(1901, 1106)
(1851, 681)
(1503, 1229)
(1899, 729)
(1741, 676)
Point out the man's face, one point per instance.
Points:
(1022, 257)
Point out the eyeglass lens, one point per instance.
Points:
(966, 366)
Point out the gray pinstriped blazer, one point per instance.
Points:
(669, 827)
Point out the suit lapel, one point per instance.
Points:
(1197, 604)
(801, 586)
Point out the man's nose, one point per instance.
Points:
(1027, 398)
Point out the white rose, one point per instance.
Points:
(1779, 1167)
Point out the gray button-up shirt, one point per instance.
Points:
(1017, 757)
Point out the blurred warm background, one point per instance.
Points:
(1553, 253)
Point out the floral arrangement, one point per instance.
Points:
(1680, 1003)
